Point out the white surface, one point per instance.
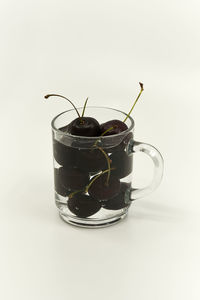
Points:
(100, 49)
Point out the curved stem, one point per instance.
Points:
(141, 90)
(109, 129)
(56, 95)
(95, 178)
(108, 161)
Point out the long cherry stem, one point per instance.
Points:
(56, 95)
(141, 90)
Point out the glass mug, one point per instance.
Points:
(93, 175)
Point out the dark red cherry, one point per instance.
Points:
(122, 162)
(59, 187)
(73, 179)
(64, 155)
(83, 205)
(118, 126)
(119, 201)
(102, 190)
(91, 160)
(84, 126)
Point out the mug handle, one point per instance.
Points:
(158, 161)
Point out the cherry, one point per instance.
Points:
(115, 126)
(59, 188)
(84, 126)
(99, 188)
(117, 202)
(81, 126)
(73, 179)
(91, 160)
(83, 205)
(122, 164)
(64, 155)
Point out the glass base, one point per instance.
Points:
(92, 223)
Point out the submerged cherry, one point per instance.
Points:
(122, 164)
(59, 187)
(65, 155)
(91, 160)
(83, 205)
(73, 179)
(119, 201)
(100, 189)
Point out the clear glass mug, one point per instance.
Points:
(93, 175)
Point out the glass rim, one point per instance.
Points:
(92, 137)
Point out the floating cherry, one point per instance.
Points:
(84, 126)
(112, 127)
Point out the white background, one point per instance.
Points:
(100, 49)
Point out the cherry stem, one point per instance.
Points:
(95, 144)
(89, 185)
(141, 90)
(109, 129)
(56, 95)
(108, 162)
(84, 107)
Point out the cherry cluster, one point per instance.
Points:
(92, 178)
